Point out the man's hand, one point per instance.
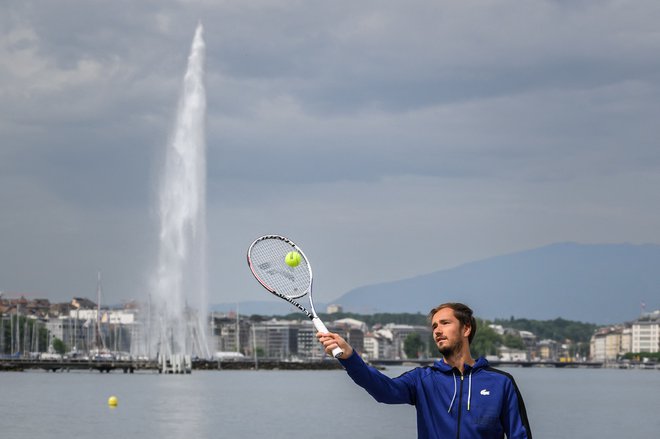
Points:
(331, 340)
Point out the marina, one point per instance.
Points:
(162, 366)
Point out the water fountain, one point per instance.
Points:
(178, 299)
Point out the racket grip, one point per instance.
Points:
(318, 324)
(337, 352)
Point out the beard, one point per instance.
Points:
(450, 350)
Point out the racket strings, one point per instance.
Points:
(268, 262)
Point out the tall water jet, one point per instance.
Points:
(178, 296)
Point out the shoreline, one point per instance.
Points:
(132, 366)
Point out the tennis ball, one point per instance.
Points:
(292, 259)
(112, 401)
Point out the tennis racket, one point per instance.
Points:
(267, 260)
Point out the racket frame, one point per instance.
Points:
(311, 313)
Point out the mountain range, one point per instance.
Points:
(595, 283)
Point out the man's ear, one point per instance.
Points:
(467, 330)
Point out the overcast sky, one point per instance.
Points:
(387, 138)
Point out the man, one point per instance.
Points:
(457, 397)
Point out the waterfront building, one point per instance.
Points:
(372, 348)
(355, 337)
(379, 344)
(606, 344)
(289, 339)
(276, 338)
(229, 333)
(86, 335)
(568, 353)
(597, 346)
(308, 346)
(113, 317)
(646, 333)
(351, 323)
(76, 334)
(499, 329)
(82, 303)
(529, 342)
(36, 308)
(354, 330)
(399, 335)
(508, 354)
(547, 350)
(334, 308)
(626, 340)
(85, 330)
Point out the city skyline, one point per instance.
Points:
(387, 140)
(80, 328)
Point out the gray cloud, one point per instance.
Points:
(448, 131)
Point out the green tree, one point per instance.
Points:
(413, 345)
(557, 329)
(59, 346)
(513, 341)
(37, 335)
(486, 341)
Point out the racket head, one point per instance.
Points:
(266, 258)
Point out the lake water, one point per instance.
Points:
(561, 403)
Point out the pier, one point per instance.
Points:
(134, 365)
(499, 363)
(66, 365)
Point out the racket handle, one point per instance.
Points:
(337, 352)
(318, 324)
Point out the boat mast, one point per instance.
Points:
(100, 343)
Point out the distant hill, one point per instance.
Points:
(600, 283)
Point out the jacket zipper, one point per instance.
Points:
(460, 406)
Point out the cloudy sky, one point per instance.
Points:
(387, 138)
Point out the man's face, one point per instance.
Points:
(449, 334)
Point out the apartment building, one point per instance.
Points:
(229, 333)
(645, 333)
(606, 344)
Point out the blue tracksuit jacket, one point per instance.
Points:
(482, 403)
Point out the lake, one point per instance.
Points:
(561, 403)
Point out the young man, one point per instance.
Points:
(457, 397)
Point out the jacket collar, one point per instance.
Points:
(480, 363)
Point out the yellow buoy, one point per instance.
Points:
(112, 401)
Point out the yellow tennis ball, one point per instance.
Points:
(112, 401)
(292, 259)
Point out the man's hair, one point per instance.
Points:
(462, 312)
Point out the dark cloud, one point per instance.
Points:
(480, 128)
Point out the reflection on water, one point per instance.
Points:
(561, 403)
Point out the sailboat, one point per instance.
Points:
(100, 352)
